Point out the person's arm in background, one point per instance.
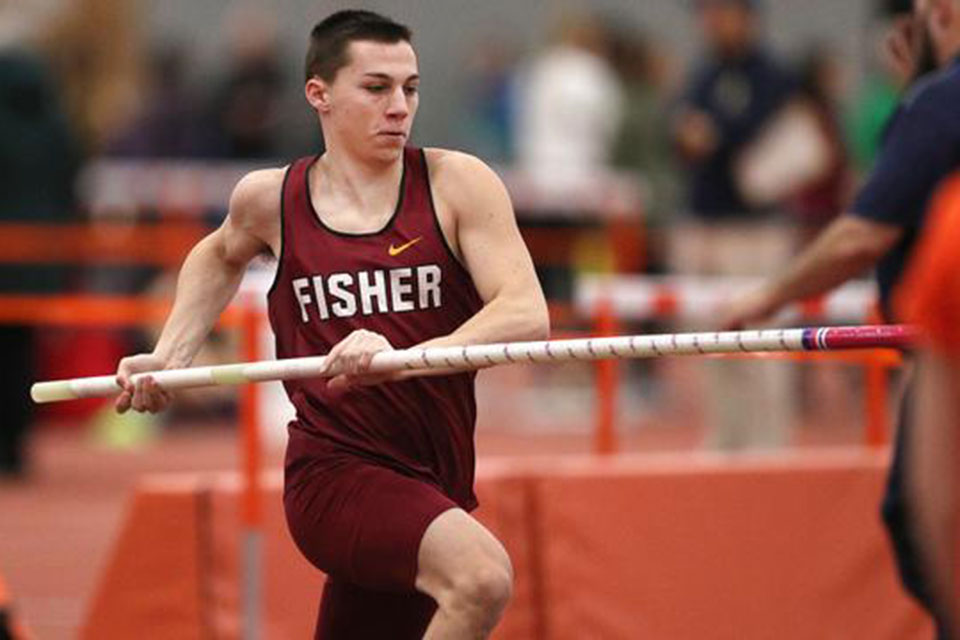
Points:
(914, 159)
(929, 296)
(693, 128)
(485, 235)
(207, 282)
(849, 246)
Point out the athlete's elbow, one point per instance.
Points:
(536, 321)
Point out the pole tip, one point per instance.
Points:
(43, 392)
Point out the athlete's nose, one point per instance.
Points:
(398, 107)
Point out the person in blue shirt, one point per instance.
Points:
(922, 147)
(728, 99)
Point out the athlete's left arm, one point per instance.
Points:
(472, 200)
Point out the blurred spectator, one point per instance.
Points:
(731, 98)
(827, 391)
(38, 165)
(570, 103)
(643, 143)
(886, 78)
(489, 100)
(94, 50)
(170, 124)
(246, 107)
(821, 198)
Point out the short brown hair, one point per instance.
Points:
(329, 39)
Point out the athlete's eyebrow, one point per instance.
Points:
(386, 76)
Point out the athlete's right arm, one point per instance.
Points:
(208, 280)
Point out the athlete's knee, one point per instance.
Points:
(483, 587)
(465, 569)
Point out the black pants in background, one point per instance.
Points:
(16, 351)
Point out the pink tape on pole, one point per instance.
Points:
(863, 337)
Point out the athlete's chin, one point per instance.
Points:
(388, 152)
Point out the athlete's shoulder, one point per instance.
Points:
(460, 176)
(455, 162)
(256, 197)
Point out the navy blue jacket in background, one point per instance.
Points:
(921, 148)
(740, 96)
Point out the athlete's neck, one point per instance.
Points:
(370, 188)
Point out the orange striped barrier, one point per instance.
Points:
(877, 364)
(162, 244)
(92, 311)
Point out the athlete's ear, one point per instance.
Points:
(317, 92)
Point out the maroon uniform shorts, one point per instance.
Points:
(361, 524)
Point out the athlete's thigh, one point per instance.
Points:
(363, 523)
(456, 542)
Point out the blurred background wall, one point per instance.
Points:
(447, 34)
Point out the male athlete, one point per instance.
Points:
(922, 147)
(380, 245)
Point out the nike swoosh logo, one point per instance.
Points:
(395, 251)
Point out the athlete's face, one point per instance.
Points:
(371, 104)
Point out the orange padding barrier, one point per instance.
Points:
(671, 546)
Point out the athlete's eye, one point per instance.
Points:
(411, 90)
(376, 88)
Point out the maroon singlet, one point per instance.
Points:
(403, 282)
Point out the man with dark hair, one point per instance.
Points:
(380, 245)
(922, 147)
(327, 52)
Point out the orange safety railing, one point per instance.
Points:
(877, 364)
(251, 456)
(100, 243)
(607, 386)
(102, 311)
